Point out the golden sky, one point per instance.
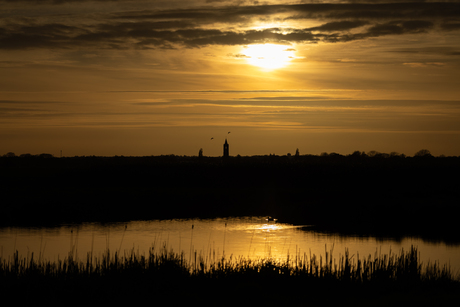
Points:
(146, 77)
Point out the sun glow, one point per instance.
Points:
(269, 56)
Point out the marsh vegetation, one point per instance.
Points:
(131, 277)
(372, 194)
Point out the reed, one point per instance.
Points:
(112, 277)
(404, 266)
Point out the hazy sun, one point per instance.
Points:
(269, 56)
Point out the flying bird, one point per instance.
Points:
(228, 132)
(212, 138)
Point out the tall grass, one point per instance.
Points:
(133, 277)
(403, 266)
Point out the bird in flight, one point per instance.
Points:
(212, 138)
(228, 132)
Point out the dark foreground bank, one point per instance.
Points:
(167, 278)
(391, 196)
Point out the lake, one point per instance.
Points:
(249, 237)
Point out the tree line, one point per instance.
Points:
(425, 153)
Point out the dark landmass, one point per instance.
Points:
(384, 195)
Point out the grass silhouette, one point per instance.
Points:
(133, 277)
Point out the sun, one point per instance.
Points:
(269, 56)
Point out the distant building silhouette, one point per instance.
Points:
(226, 152)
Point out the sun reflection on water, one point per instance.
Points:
(269, 227)
(251, 237)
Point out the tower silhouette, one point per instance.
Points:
(226, 152)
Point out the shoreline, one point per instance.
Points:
(392, 197)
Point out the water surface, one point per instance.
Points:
(249, 237)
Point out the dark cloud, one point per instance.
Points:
(209, 15)
(340, 25)
(196, 27)
(376, 10)
(340, 11)
(396, 27)
(451, 26)
(37, 36)
(238, 56)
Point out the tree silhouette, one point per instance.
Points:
(423, 153)
(10, 155)
(45, 155)
(373, 153)
(358, 153)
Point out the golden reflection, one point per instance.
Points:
(270, 227)
(269, 56)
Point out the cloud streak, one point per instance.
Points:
(231, 25)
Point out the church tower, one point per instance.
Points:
(226, 152)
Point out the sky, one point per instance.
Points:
(154, 77)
